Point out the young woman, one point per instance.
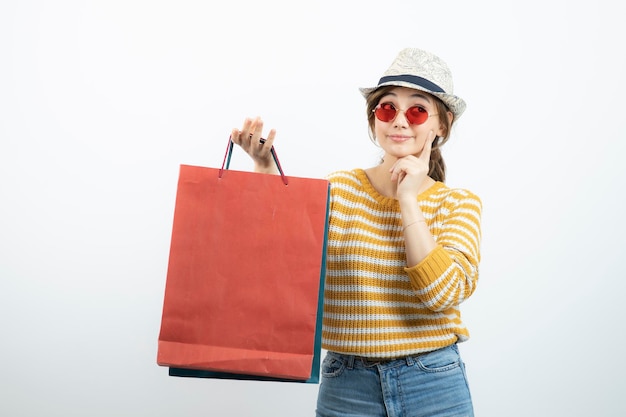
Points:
(403, 254)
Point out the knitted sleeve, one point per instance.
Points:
(448, 275)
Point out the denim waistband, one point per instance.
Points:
(350, 360)
(366, 361)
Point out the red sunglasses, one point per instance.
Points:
(387, 112)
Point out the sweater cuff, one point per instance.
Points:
(430, 269)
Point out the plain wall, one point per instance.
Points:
(101, 101)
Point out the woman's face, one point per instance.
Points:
(398, 137)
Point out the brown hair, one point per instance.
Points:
(437, 167)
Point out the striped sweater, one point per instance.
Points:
(374, 305)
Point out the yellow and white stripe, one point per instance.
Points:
(373, 304)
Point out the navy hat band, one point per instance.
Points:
(413, 79)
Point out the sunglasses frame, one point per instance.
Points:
(405, 112)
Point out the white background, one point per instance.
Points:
(100, 101)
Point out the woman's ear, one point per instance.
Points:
(442, 127)
(450, 117)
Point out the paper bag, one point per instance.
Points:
(244, 286)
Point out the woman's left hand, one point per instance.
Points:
(410, 171)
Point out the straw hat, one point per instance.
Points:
(421, 70)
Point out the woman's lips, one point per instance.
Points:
(399, 138)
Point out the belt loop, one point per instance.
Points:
(350, 361)
(410, 361)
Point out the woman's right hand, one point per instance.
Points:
(250, 140)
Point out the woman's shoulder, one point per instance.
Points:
(346, 183)
(346, 175)
(442, 191)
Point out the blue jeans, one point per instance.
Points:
(430, 384)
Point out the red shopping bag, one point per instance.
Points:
(244, 285)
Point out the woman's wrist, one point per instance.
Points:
(414, 222)
(266, 168)
(411, 213)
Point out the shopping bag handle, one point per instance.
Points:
(229, 152)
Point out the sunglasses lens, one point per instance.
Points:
(385, 112)
(416, 115)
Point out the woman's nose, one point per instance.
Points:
(400, 119)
